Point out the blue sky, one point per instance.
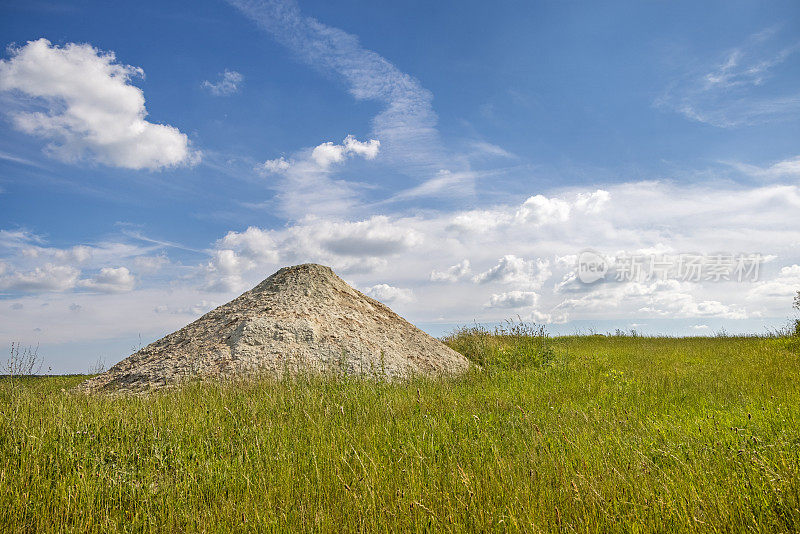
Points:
(452, 160)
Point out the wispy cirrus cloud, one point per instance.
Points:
(787, 168)
(407, 124)
(19, 160)
(738, 89)
(229, 83)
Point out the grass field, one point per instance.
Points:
(577, 434)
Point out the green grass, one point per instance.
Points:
(581, 434)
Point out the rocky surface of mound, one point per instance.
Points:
(302, 318)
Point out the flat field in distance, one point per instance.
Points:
(579, 434)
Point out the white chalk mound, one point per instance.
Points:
(300, 319)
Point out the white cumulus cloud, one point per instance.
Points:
(541, 210)
(110, 280)
(365, 149)
(513, 299)
(511, 269)
(92, 110)
(274, 166)
(48, 277)
(781, 288)
(376, 236)
(329, 153)
(452, 273)
(254, 243)
(225, 270)
(389, 294)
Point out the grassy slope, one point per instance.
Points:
(606, 433)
